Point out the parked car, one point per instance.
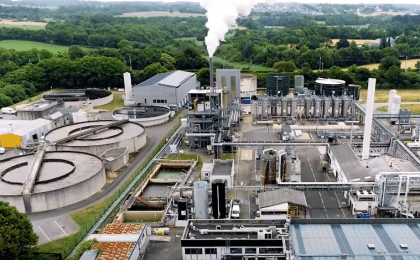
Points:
(236, 211)
(8, 110)
(2, 150)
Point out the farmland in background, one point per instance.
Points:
(159, 13)
(413, 108)
(382, 95)
(28, 45)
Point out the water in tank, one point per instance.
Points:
(299, 83)
(264, 108)
(218, 200)
(317, 108)
(201, 203)
(327, 105)
(284, 107)
(308, 107)
(345, 107)
(293, 107)
(336, 107)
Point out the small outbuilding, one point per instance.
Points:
(278, 204)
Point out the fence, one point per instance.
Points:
(104, 214)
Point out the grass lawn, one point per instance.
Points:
(26, 27)
(28, 45)
(115, 103)
(413, 108)
(382, 95)
(228, 156)
(242, 66)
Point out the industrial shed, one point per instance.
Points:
(277, 204)
(169, 89)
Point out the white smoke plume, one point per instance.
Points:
(221, 14)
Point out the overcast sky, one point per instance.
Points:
(304, 1)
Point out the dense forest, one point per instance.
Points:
(103, 46)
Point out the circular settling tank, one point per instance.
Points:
(64, 178)
(131, 135)
(145, 115)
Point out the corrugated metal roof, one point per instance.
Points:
(331, 241)
(283, 195)
(349, 162)
(176, 78)
(155, 79)
(21, 127)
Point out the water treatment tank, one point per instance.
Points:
(317, 108)
(308, 107)
(284, 106)
(327, 104)
(273, 109)
(201, 203)
(329, 87)
(293, 107)
(264, 108)
(299, 83)
(354, 91)
(278, 84)
(345, 107)
(336, 107)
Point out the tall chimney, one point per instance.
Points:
(211, 75)
(128, 101)
(368, 118)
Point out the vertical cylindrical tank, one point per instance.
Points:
(317, 108)
(201, 203)
(284, 106)
(128, 86)
(299, 83)
(345, 107)
(336, 107)
(264, 108)
(327, 104)
(273, 109)
(182, 209)
(293, 107)
(308, 107)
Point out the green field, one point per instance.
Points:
(242, 66)
(26, 27)
(28, 45)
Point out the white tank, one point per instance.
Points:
(293, 108)
(336, 107)
(129, 99)
(345, 107)
(284, 107)
(317, 108)
(327, 104)
(308, 107)
(201, 203)
(264, 108)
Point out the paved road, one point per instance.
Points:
(323, 204)
(53, 232)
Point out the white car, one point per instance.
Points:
(2, 150)
(236, 211)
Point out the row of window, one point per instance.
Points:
(160, 101)
(234, 250)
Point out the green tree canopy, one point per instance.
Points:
(388, 62)
(284, 66)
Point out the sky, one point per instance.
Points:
(301, 1)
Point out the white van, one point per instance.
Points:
(8, 110)
(2, 150)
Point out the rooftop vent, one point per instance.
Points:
(404, 246)
(371, 246)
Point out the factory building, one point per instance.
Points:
(219, 171)
(28, 130)
(169, 89)
(281, 203)
(235, 239)
(39, 109)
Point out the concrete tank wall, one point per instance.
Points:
(149, 121)
(95, 102)
(114, 159)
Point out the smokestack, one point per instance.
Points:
(211, 75)
(368, 118)
(129, 101)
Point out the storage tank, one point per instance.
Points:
(336, 107)
(273, 109)
(201, 200)
(278, 84)
(293, 107)
(345, 107)
(264, 108)
(354, 91)
(299, 83)
(308, 107)
(327, 104)
(317, 108)
(183, 209)
(284, 106)
(329, 87)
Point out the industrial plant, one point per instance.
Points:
(268, 175)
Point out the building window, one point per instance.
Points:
(154, 101)
(250, 250)
(210, 251)
(234, 250)
(193, 251)
(269, 250)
